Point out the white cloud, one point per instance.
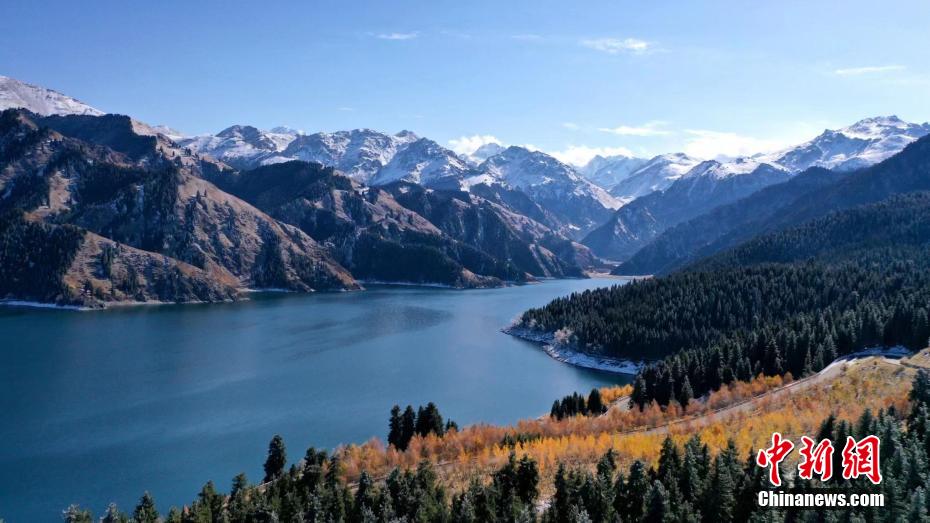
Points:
(581, 154)
(470, 144)
(617, 46)
(397, 36)
(527, 37)
(346, 109)
(712, 144)
(571, 126)
(874, 69)
(648, 129)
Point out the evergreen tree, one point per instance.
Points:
(595, 405)
(75, 514)
(277, 458)
(640, 396)
(408, 427)
(145, 511)
(657, 505)
(395, 432)
(114, 515)
(686, 394)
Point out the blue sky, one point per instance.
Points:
(572, 78)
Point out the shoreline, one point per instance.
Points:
(570, 356)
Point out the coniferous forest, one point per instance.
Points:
(686, 484)
(790, 301)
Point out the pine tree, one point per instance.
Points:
(277, 458)
(634, 493)
(595, 405)
(669, 462)
(657, 505)
(687, 394)
(527, 480)
(920, 388)
(145, 511)
(395, 432)
(239, 484)
(408, 427)
(640, 396)
(114, 515)
(722, 491)
(75, 514)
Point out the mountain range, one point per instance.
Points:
(119, 212)
(133, 212)
(711, 184)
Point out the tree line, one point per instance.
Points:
(403, 426)
(787, 302)
(687, 484)
(575, 405)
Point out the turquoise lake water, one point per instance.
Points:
(100, 406)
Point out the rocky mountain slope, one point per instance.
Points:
(656, 174)
(577, 204)
(39, 100)
(636, 225)
(403, 231)
(97, 174)
(807, 196)
(861, 144)
(709, 185)
(376, 159)
(134, 197)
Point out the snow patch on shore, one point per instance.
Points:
(566, 354)
(42, 305)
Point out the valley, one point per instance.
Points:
(307, 283)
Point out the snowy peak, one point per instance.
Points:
(484, 152)
(425, 162)
(656, 174)
(242, 146)
(39, 100)
(250, 136)
(861, 144)
(879, 127)
(611, 170)
(407, 136)
(359, 153)
(720, 170)
(521, 168)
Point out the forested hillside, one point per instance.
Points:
(785, 302)
(810, 195)
(724, 227)
(691, 480)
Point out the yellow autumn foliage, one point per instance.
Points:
(746, 413)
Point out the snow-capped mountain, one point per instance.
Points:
(424, 162)
(580, 204)
(241, 146)
(484, 152)
(711, 184)
(719, 170)
(521, 168)
(611, 170)
(40, 100)
(359, 153)
(657, 174)
(863, 143)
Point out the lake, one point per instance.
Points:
(100, 406)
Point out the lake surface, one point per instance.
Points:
(100, 406)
